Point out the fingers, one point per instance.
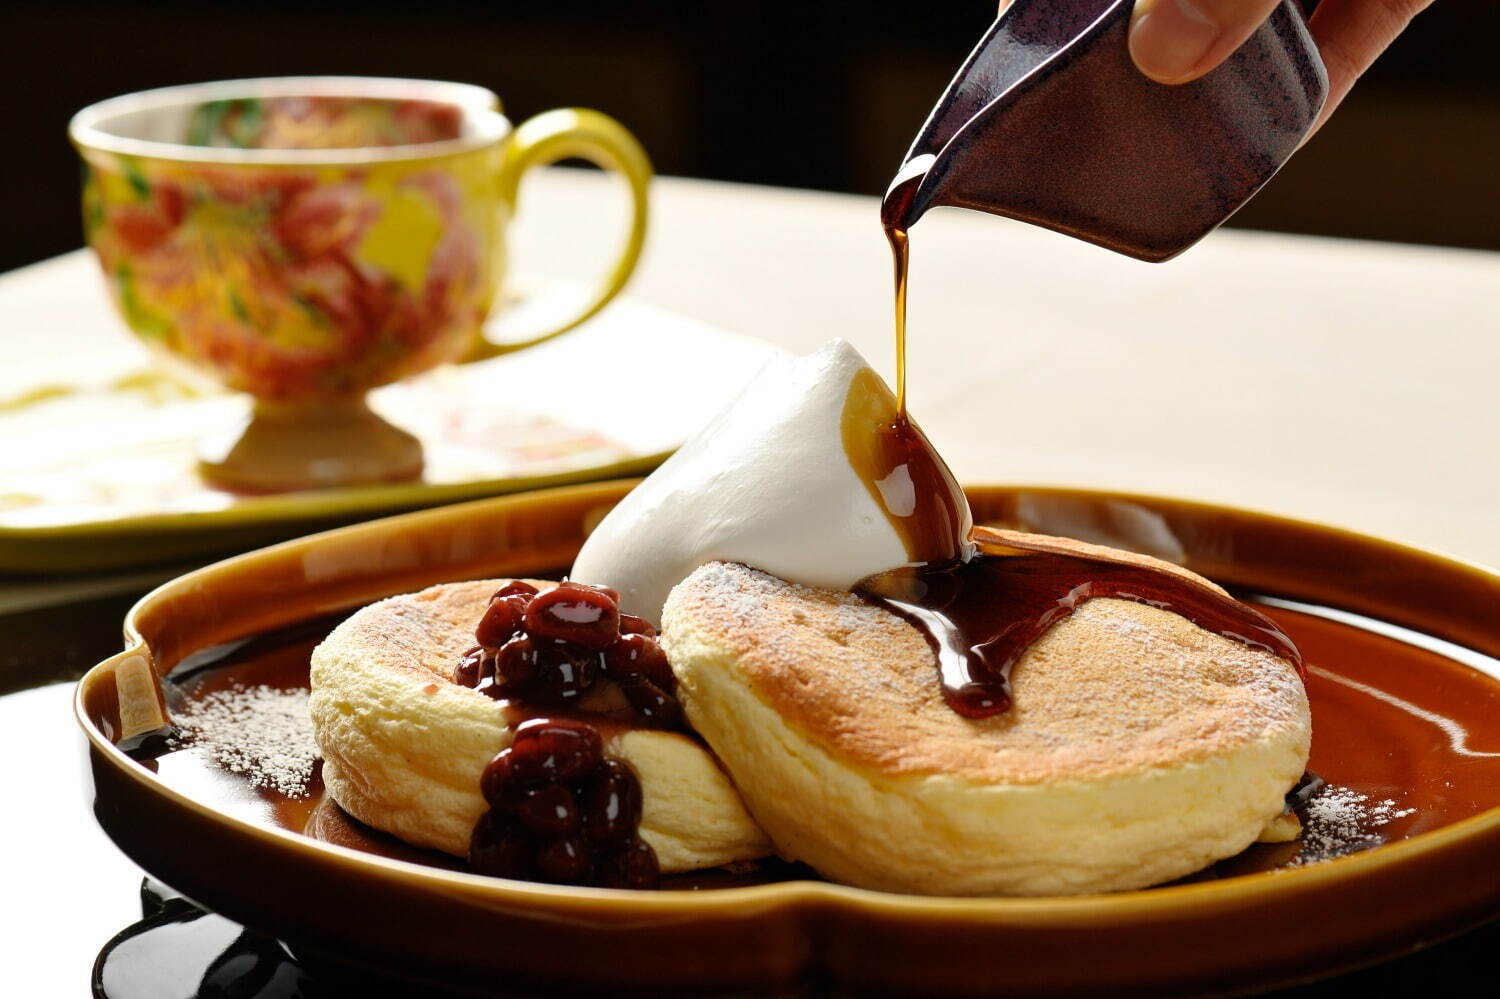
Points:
(1352, 33)
(1174, 41)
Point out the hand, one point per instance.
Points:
(1174, 41)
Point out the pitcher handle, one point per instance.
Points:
(598, 138)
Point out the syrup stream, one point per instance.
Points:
(981, 615)
(900, 256)
(893, 219)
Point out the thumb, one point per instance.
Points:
(1174, 41)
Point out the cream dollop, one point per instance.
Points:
(767, 482)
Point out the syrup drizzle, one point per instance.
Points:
(904, 475)
(893, 211)
(981, 615)
(901, 259)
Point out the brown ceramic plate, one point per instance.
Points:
(1406, 705)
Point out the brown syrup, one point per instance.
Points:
(612, 725)
(911, 485)
(1393, 721)
(893, 210)
(981, 615)
(901, 259)
(903, 474)
(900, 468)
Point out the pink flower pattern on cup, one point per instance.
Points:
(257, 274)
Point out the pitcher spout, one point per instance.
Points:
(1048, 121)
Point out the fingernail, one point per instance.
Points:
(1171, 39)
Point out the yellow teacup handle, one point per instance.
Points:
(598, 138)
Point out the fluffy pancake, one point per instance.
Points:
(404, 747)
(1140, 748)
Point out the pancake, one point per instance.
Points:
(1140, 748)
(404, 746)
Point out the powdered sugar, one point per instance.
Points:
(1341, 820)
(726, 585)
(854, 617)
(262, 733)
(1138, 630)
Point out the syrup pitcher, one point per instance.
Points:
(1049, 122)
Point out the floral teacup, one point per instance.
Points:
(306, 239)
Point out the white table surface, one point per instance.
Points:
(1352, 383)
(1344, 382)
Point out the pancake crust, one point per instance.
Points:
(404, 746)
(1140, 747)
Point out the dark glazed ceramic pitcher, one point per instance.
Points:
(1050, 122)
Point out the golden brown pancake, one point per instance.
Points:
(404, 746)
(1140, 747)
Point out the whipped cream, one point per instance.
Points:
(768, 482)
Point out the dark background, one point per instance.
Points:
(821, 95)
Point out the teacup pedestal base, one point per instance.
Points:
(287, 447)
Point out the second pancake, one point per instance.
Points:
(1141, 747)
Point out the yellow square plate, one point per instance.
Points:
(101, 478)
